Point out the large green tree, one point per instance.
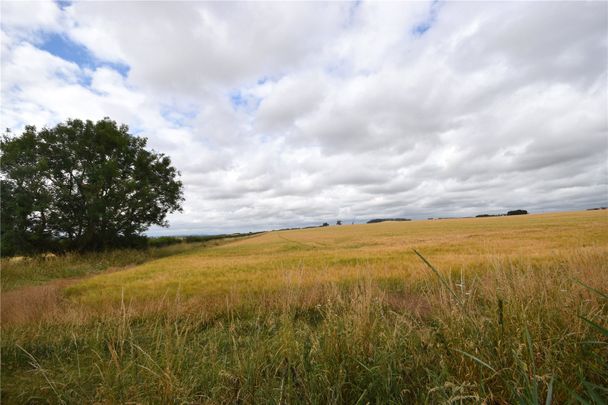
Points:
(82, 185)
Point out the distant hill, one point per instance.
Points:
(377, 220)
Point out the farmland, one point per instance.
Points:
(507, 309)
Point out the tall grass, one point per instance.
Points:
(23, 271)
(513, 331)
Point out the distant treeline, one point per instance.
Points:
(377, 220)
(160, 241)
(596, 209)
(514, 212)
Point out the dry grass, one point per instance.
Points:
(341, 315)
(277, 260)
(32, 303)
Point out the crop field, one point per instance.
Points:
(502, 310)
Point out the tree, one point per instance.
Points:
(338, 222)
(82, 185)
(517, 212)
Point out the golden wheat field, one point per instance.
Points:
(382, 252)
(507, 310)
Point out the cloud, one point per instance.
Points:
(193, 46)
(24, 18)
(299, 113)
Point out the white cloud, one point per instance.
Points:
(299, 113)
(27, 17)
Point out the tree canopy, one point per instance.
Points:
(82, 185)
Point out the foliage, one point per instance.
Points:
(517, 212)
(378, 220)
(160, 241)
(82, 185)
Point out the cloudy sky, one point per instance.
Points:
(291, 114)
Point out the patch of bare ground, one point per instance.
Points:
(40, 302)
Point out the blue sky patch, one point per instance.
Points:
(269, 79)
(179, 117)
(66, 49)
(63, 48)
(422, 27)
(242, 101)
(63, 4)
(236, 99)
(352, 11)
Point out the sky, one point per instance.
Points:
(294, 114)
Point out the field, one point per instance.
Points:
(501, 310)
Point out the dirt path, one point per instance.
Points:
(40, 302)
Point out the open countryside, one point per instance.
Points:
(340, 314)
(303, 202)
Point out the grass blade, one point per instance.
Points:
(478, 360)
(600, 328)
(437, 273)
(36, 365)
(598, 292)
(549, 398)
(534, 387)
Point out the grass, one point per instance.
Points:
(24, 271)
(276, 260)
(513, 311)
